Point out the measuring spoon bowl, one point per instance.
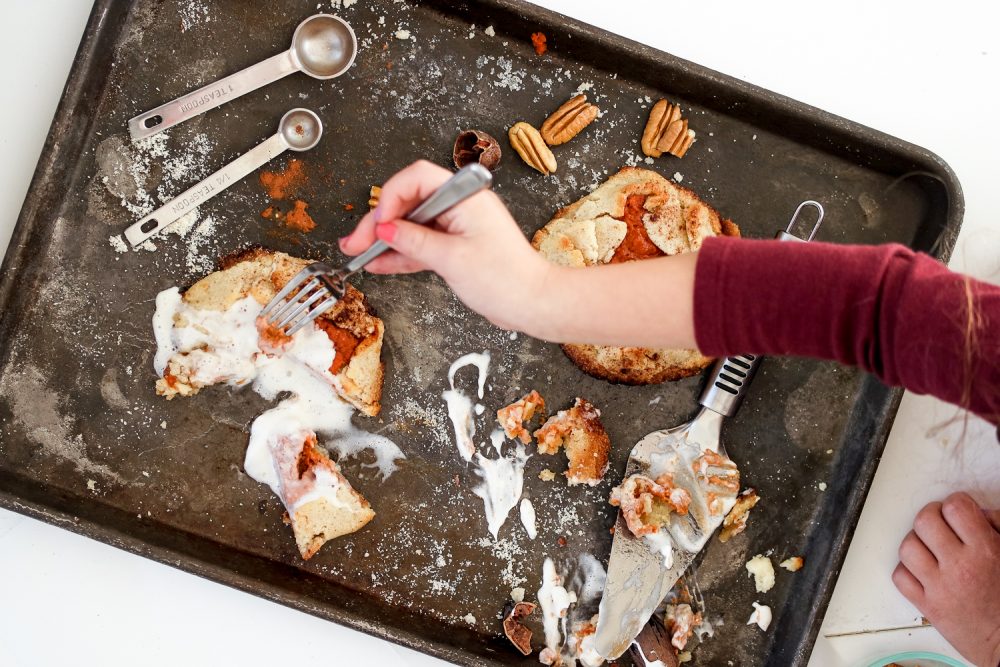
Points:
(301, 129)
(323, 46)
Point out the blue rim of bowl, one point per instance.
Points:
(918, 655)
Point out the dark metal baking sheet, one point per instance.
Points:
(82, 442)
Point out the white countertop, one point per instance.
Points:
(921, 72)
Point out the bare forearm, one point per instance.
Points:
(642, 304)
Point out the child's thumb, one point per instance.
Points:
(418, 242)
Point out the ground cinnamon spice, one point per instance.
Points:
(282, 184)
(538, 41)
(298, 218)
(272, 213)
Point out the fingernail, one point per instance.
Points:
(377, 214)
(386, 231)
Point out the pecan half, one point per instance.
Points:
(376, 192)
(568, 120)
(531, 147)
(666, 131)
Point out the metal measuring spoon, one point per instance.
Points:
(299, 130)
(323, 46)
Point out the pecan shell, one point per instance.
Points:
(476, 146)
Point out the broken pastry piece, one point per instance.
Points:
(736, 521)
(518, 633)
(760, 568)
(720, 479)
(581, 643)
(646, 504)
(320, 501)
(580, 431)
(515, 416)
(681, 621)
(793, 564)
(213, 334)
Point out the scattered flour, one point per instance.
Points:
(193, 13)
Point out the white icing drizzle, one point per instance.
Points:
(761, 616)
(642, 656)
(528, 518)
(497, 437)
(224, 346)
(501, 486)
(460, 408)
(460, 414)
(480, 360)
(661, 543)
(554, 601)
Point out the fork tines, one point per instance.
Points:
(298, 304)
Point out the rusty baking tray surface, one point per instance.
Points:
(85, 443)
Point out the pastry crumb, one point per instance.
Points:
(762, 571)
(793, 564)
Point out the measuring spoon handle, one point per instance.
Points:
(212, 95)
(185, 202)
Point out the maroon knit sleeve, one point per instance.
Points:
(898, 314)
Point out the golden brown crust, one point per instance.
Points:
(635, 365)
(590, 230)
(581, 432)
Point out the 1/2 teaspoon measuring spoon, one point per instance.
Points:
(299, 130)
(323, 46)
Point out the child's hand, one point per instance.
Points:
(483, 256)
(476, 246)
(950, 570)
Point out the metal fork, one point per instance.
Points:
(317, 287)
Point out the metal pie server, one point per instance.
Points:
(637, 577)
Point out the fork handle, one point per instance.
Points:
(468, 181)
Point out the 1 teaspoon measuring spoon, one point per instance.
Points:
(323, 46)
(299, 130)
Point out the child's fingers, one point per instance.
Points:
(916, 557)
(424, 245)
(393, 262)
(993, 516)
(934, 531)
(908, 585)
(965, 517)
(408, 188)
(361, 238)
